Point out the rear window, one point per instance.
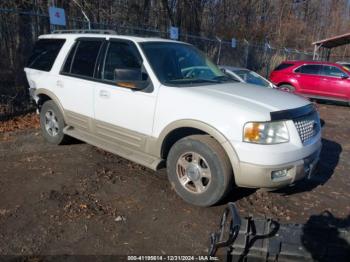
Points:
(44, 54)
(283, 66)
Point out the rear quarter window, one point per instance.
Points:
(44, 54)
(283, 66)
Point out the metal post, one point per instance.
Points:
(328, 53)
(218, 59)
(314, 55)
(286, 52)
(267, 49)
(84, 14)
(246, 52)
(52, 27)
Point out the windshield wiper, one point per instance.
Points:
(193, 80)
(206, 80)
(225, 78)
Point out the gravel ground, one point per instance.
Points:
(78, 199)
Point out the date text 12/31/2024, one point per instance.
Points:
(172, 258)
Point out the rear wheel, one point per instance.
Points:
(199, 170)
(287, 88)
(52, 124)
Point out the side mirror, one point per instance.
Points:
(133, 78)
(128, 74)
(344, 76)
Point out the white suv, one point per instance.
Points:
(163, 103)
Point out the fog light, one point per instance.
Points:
(279, 174)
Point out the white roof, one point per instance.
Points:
(108, 36)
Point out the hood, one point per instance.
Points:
(252, 96)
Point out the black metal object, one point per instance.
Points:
(322, 238)
(217, 239)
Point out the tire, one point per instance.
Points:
(52, 124)
(205, 181)
(287, 88)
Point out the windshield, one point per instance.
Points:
(181, 64)
(252, 77)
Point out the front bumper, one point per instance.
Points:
(295, 159)
(256, 176)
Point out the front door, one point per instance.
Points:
(334, 83)
(122, 115)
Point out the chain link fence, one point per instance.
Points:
(19, 31)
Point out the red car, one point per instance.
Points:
(314, 79)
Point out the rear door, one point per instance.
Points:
(75, 88)
(308, 77)
(334, 82)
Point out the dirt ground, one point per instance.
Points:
(78, 199)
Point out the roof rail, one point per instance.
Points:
(85, 31)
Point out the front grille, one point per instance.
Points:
(308, 126)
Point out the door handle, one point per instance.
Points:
(104, 93)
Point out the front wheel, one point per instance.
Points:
(199, 170)
(287, 88)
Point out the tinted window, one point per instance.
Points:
(68, 62)
(85, 58)
(251, 77)
(228, 73)
(44, 54)
(283, 66)
(310, 69)
(123, 62)
(332, 71)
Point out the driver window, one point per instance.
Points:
(122, 63)
(332, 71)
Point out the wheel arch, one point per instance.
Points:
(182, 128)
(42, 95)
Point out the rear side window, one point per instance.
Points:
(84, 60)
(44, 54)
(283, 66)
(310, 69)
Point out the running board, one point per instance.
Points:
(143, 159)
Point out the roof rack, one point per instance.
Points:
(85, 31)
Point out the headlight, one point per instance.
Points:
(265, 132)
